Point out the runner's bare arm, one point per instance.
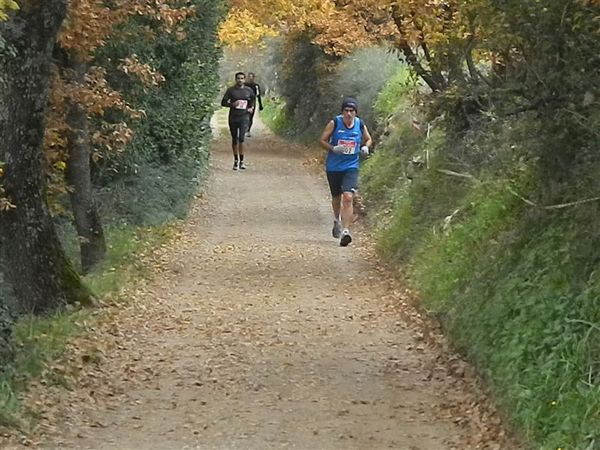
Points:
(324, 141)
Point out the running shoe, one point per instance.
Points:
(336, 231)
(242, 165)
(235, 165)
(248, 134)
(346, 238)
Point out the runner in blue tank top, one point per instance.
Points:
(345, 138)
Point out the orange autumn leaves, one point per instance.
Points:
(340, 26)
(88, 26)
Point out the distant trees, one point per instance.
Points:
(506, 56)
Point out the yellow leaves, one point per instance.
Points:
(338, 32)
(339, 26)
(336, 29)
(113, 138)
(159, 10)
(60, 165)
(243, 28)
(249, 22)
(97, 96)
(7, 5)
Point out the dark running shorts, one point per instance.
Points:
(342, 182)
(238, 128)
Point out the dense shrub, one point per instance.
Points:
(155, 177)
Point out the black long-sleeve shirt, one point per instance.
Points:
(239, 100)
(256, 89)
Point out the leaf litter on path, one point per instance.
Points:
(254, 333)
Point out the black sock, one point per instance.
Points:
(235, 158)
(241, 158)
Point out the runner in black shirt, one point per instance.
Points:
(256, 89)
(240, 100)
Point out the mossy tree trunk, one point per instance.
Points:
(36, 267)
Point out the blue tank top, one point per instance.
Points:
(351, 138)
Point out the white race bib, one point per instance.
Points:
(349, 146)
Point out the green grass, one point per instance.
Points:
(528, 317)
(42, 340)
(275, 118)
(451, 250)
(39, 340)
(126, 249)
(517, 296)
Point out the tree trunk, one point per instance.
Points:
(434, 79)
(87, 220)
(36, 267)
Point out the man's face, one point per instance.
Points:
(239, 80)
(251, 78)
(348, 113)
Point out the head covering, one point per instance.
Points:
(350, 102)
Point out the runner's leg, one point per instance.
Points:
(335, 186)
(347, 210)
(243, 126)
(349, 187)
(250, 122)
(234, 130)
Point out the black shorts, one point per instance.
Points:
(238, 129)
(339, 182)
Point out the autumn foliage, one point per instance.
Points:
(88, 26)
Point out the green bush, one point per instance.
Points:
(274, 115)
(395, 95)
(154, 179)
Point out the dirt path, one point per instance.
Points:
(260, 332)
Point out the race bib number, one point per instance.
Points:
(241, 104)
(349, 146)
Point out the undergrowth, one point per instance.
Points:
(514, 285)
(41, 340)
